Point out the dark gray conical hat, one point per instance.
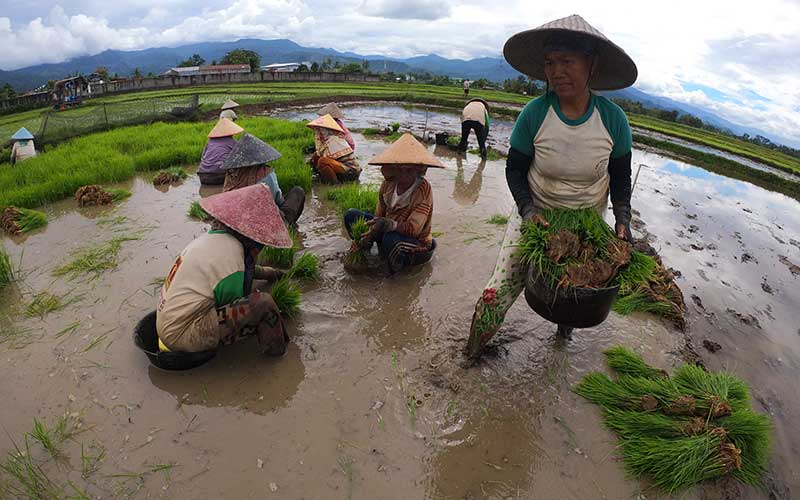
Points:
(250, 151)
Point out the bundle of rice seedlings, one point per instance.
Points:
(281, 258)
(578, 249)
(43, 303)
(169, 175)
(6, 272)
(118, 194)
(362, 197)
(196, 212)
(94, 259)
(286, 296)
(92, 195)
(355, 256)
(683, 429)
(21, 220)
(306, 267)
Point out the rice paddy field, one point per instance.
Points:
(372, 399)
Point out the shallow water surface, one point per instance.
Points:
(370, 401)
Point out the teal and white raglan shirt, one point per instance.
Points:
(570, 164)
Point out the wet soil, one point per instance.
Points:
(371, 401)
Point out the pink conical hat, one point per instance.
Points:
(251, 212)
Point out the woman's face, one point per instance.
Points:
(567, 73)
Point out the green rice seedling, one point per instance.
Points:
(368, 132)
(175, 172)
(6, 271)
(286, 296)
(453, 141)
(306, 267)
(196, 212)
(677, 449)
(118, 194)
(31, 219)
(51, 439)
(95, 259)
(25, 478)
(355, 257)
(497, 220)
(362, 197)
(281, 258)
(395, 127)
(491, 154)
(626, 362)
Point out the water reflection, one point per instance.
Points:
(238, 377)
(467, 193)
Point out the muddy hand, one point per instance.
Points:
(539, 220)
(624, 232)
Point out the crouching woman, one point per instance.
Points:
(209, 297)
(401, 224)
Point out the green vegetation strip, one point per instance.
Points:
(644, 284)
(726, 167)
(362, 197)
(678, 431)
(6, 272)
(117, 155)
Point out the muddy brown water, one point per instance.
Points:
(370, 401)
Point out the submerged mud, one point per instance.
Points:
(371, 400)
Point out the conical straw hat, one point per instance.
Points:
(331, 109)
(224, 128)
(250, 151)
(613, 68)
(406, 151)
(325, 121)
(22, 135)
(230, 104)
(251, 212)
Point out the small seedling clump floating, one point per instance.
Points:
(93, 195)
(169, 175)
(196, 212)
(682, 429)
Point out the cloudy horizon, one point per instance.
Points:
(739, 62)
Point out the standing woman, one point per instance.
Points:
(570, 148)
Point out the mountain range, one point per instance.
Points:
(157, 60)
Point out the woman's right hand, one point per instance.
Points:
(533, 215)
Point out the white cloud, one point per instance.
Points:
(729, 46)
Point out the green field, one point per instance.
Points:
(116, 155)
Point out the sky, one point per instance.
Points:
(740, 60)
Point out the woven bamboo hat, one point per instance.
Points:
(250, 151)
(331, 109)
(224, 128)
(22, 135)
(230, 104)
(406, 151)
(325, 121)
(251, 212)
(613, 68)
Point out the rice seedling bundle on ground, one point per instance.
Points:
(680, 430)
(6, 272)
(579, 250)
(92, 195)
(15, 220)
(281, 258)
(169, 175)
(286, 296)
(196, 212)
(118, 194)
(355, 257)
(362, 197)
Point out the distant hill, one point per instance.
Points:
(157, 60)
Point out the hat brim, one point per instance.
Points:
(229, 105)
(224, 128)
(406, 152)
(251, 212)
(613, 68)
(250, 151)
(327, 122)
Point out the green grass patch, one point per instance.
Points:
(362, 197)
(498, 220)
(453, 141)
(93, 260)
(682, 429)
(287, 296)
(117, 155)
(176, 172)
(196, 212)
(369, 131)
(118, 194)
(491, 154)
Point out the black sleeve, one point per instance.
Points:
(619, 172)
(517, 166)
